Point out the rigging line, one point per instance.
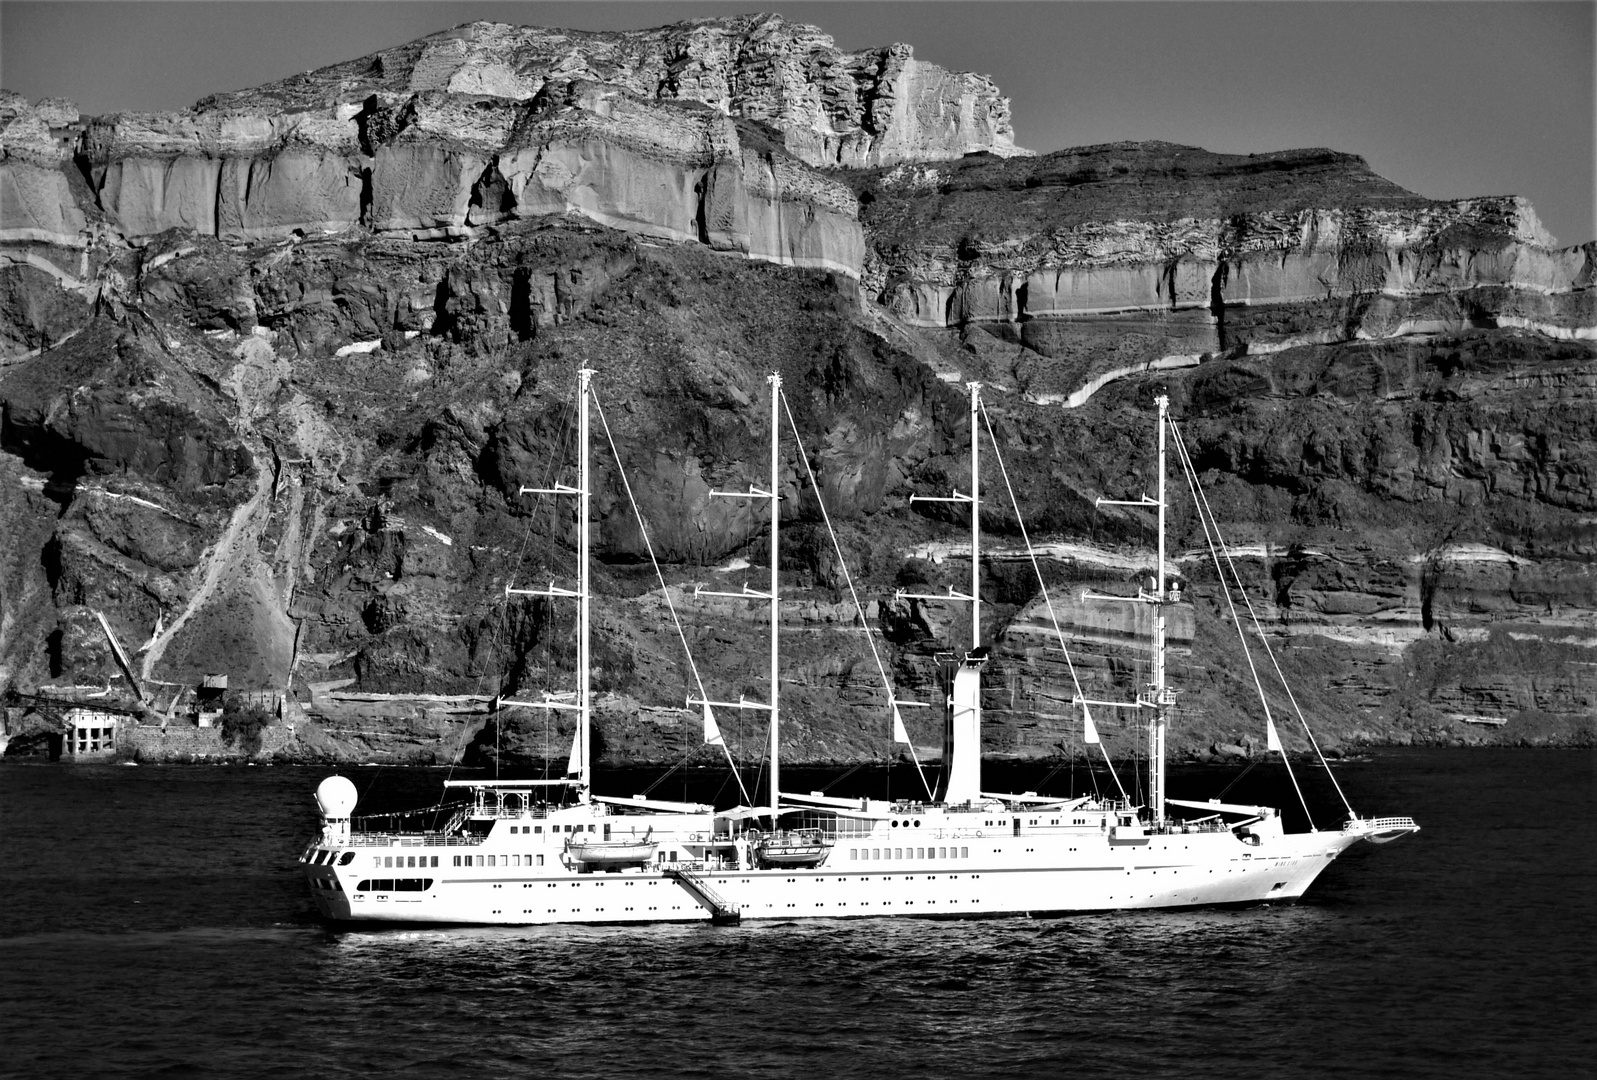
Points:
(660, 576)
(1031, 553)
(683, 760)
(1181, 446)
(1265, 641)
(870, 639)
(1201, 505)
(839, 779)
(1236, 780)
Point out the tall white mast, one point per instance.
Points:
(584, 615)
(1160, 598)
(975, 521)
(962, 725)
(775, 380)
(1160, 698)
(581, 753)
(773, 594)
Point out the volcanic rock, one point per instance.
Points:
(274, 372)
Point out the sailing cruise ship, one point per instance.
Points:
(516, 852)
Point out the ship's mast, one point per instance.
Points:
(581, 760)
(773, 594)
(775, 380)
(975, 522)
(584, 592)
(1160, 698)
(962, 723)
(1160, 598)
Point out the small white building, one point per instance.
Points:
(90, 733)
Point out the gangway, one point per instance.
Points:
(722, 911)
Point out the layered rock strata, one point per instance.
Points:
(257, 416)
(438, 164)
(1271, 251)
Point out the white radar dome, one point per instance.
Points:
(336, 797)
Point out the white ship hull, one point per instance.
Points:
(1029, 874)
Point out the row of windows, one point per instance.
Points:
(406, 860)
(497, 860)
(388, 884)
(909, 853)
(552, 828)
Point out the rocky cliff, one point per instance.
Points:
(276, 369)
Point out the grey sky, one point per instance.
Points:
(1448, 99)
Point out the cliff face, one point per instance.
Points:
(861, 109)
(1213, 252)
(275, 371)
(708, 131)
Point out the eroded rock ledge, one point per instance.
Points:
(1211, 252)
(711, 130)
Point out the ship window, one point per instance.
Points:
(853, 853)
(515, 828)
(876, 853)
(537, 828)
(435, 860)
(964, 853)
(491, 860)
(364, 886)
(515, 860)
(898, 853)
(346, 858)
(479, 860)
(411, 861)
(591, 828)
(942, 853)
(388, 860)
(540, 860)
(457, 861)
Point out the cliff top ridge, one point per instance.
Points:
(859, 109)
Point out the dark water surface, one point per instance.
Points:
(154, 925)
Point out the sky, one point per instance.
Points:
(1448, 99)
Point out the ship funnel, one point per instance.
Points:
(962, 732)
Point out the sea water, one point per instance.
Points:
(154, 924)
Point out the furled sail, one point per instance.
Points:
(574, 762)
(899, 734)
(712, 732)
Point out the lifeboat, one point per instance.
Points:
(612, 852)
(792, 849)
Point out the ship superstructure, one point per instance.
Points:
(550, 851)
